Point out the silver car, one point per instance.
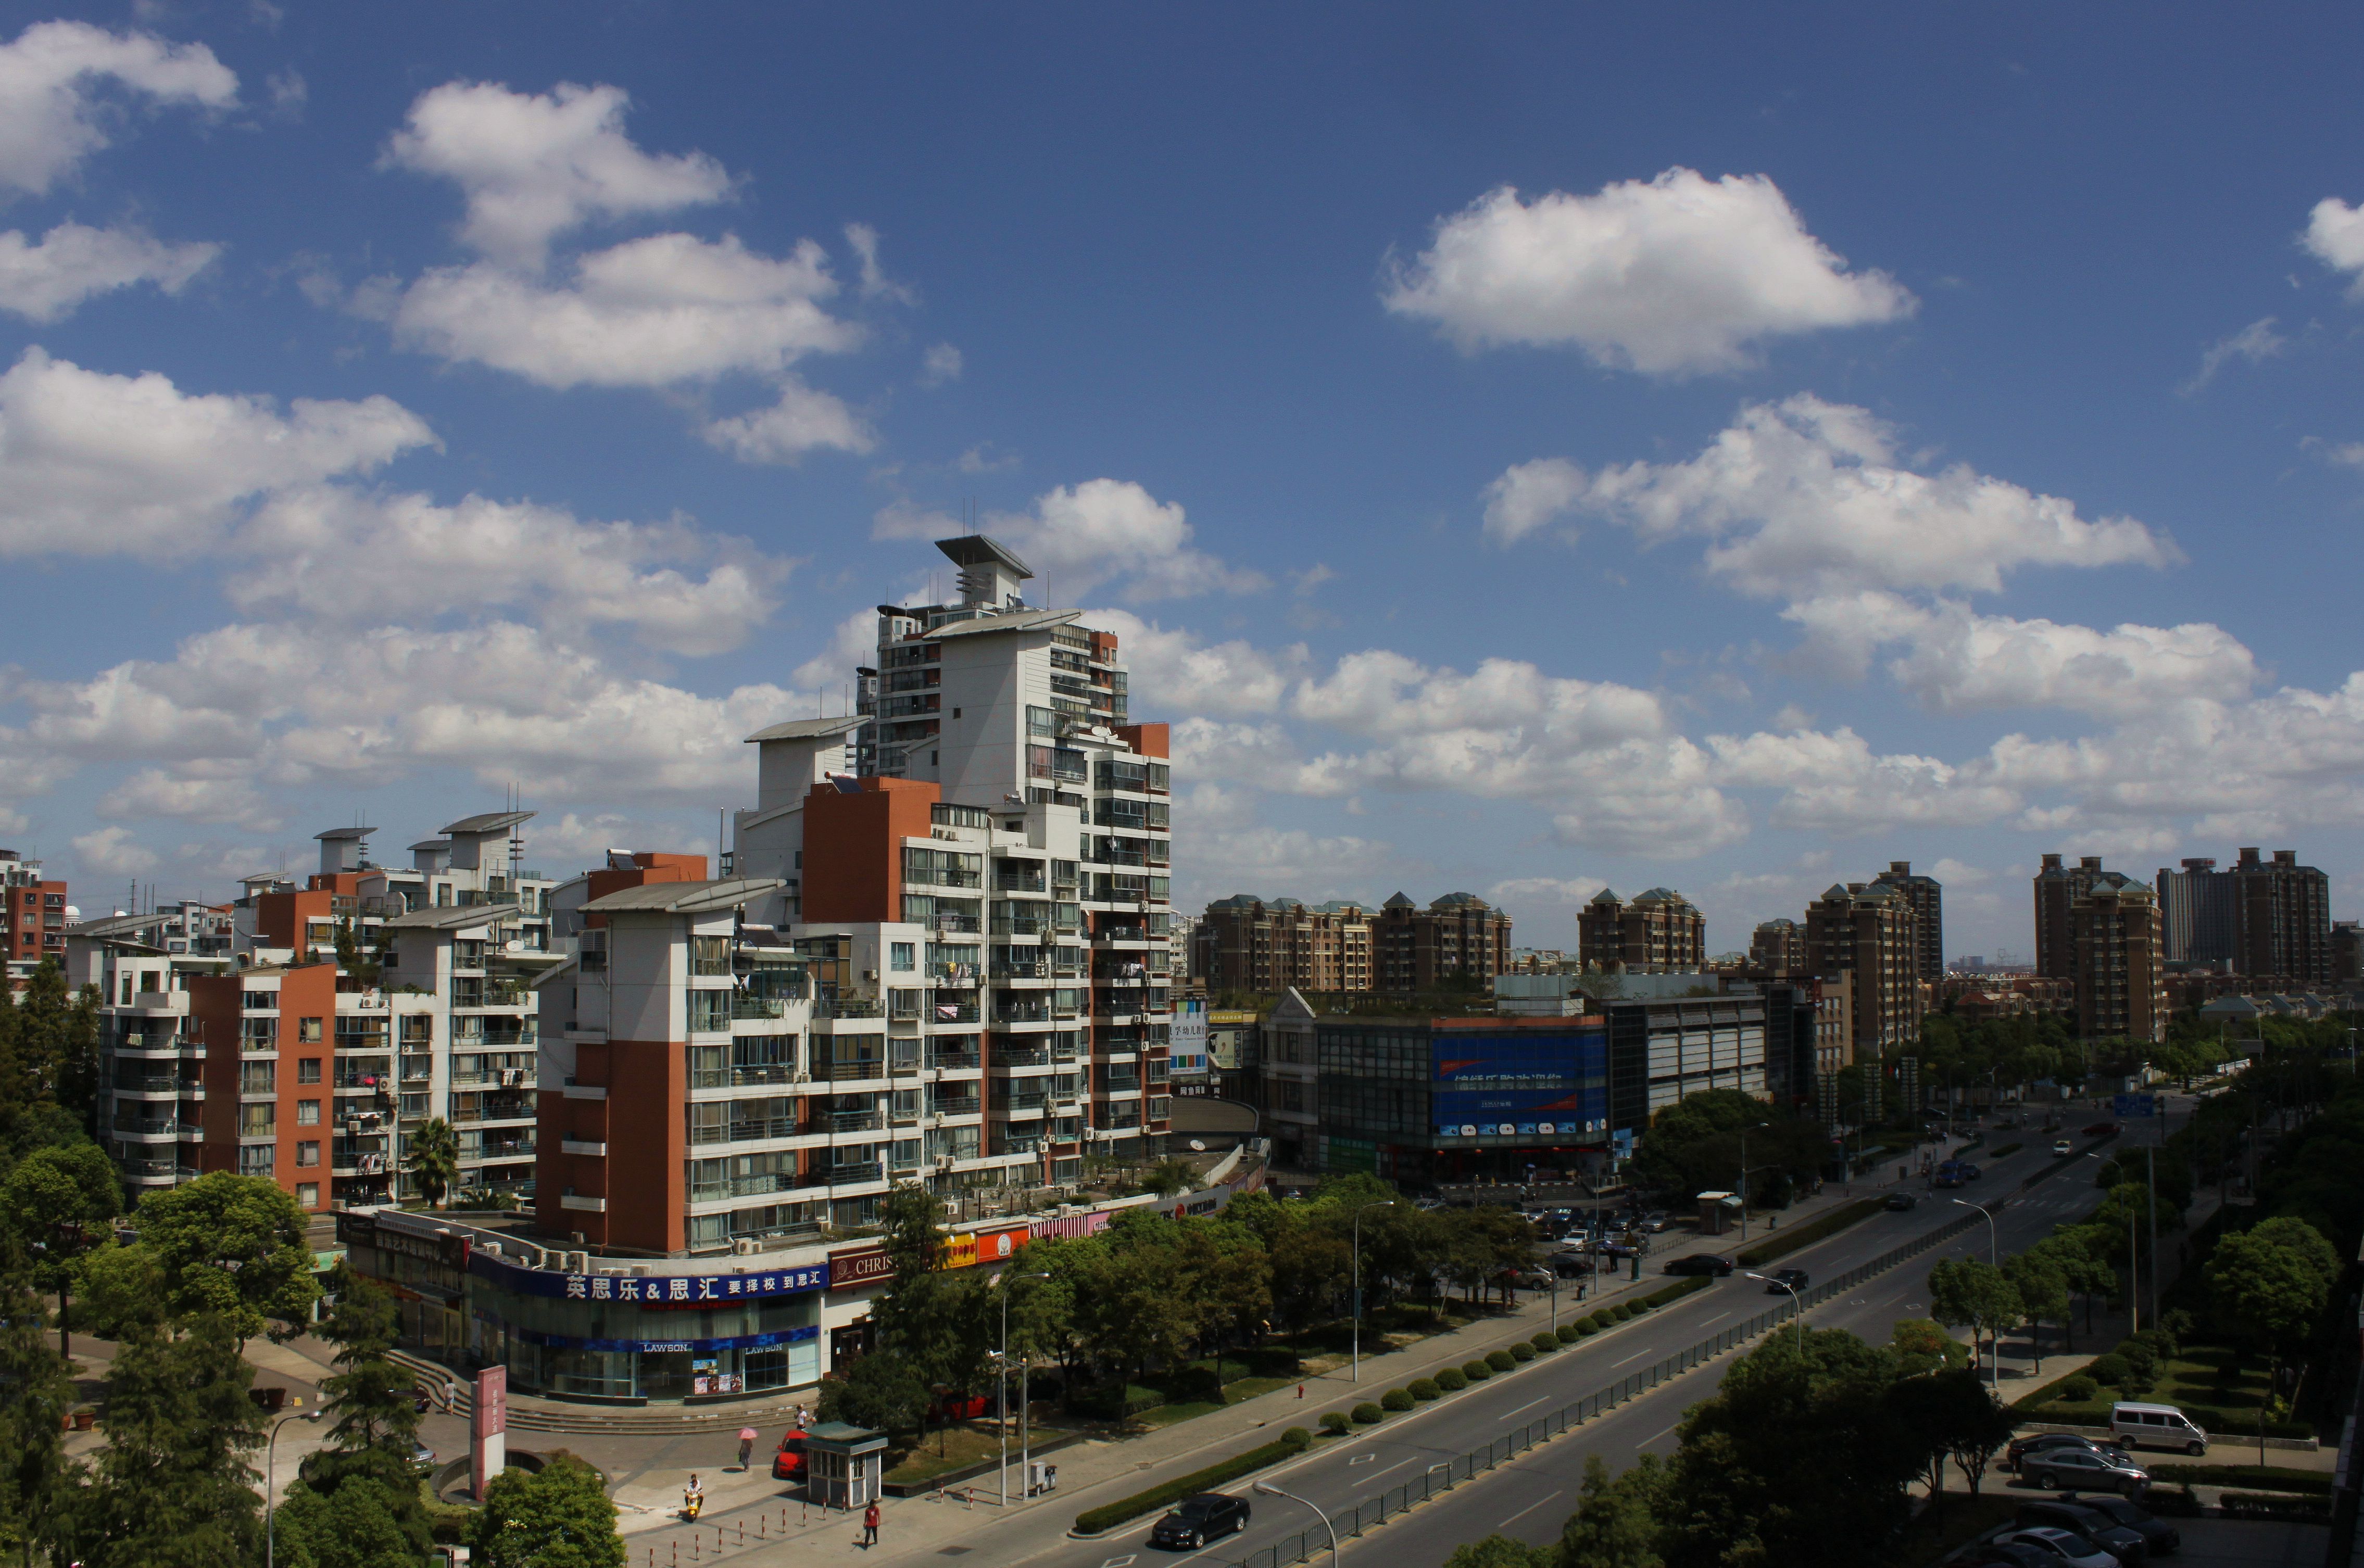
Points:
(2060, 1469)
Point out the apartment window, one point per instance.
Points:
(308, 1195)
(258, 1159)
(308, 1154)
(710, 955)
(1041, 721)
(902, 957)
(307, 1031)
(308, 1069)
(418, 1028)
(907, 1103)
(709, 1012)
(258, 1120)
(707, 1067)
(259, 1001)
(308, 1113)
(258, 1077)
(414, 1105)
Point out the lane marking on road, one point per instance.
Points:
(1531, 1508)
(1717, 1318)
(1645, 1442)
(1123, 1561)
(1364, 1458)
(1528, 1405)
(1398, 1464)
(1638, 1355)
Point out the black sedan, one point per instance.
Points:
(1780, 1281)
(2015, 1457)
(2159, 1536)
(1700, 1264)
(2053, 1469)
(1899, 1202)
(1200, 1519)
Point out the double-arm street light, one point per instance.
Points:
(1994, 1257)
(271, 1482)
(1269, 1490)
(1375, 1203)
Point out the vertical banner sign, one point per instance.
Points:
(488, 1426)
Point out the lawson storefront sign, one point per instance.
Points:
(651, 1290)
(867, 1265)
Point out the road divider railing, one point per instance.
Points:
(1446, 1475)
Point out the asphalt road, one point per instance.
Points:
(1532, 1496)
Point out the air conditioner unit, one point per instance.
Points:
(744, 1246)
(869, 974)
(944, 1161)
(801, 1078)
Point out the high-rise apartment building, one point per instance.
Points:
(1779, 948)
(1927, 900)
(1245, 943)
(990, 803)
(1869, 932)
(32, 915)
(1659, 933)
(2285, 917)
(2200, 914)
(1459, 938)
(2121, 963)
(2056, 888)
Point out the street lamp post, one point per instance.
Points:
(1269, 1490)
(1743, 1174)
(1797, 1309)
(1375, 1203)
(1001, 1388)
(271, 1483)
(1994, 1257)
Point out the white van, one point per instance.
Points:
(2155, 1426)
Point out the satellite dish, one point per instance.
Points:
(1198, 1146)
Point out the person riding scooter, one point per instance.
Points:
(693, 1499)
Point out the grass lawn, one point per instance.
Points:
(1244, 1388)
(1961, 1519)
(2212, 1375)
(962, 1445)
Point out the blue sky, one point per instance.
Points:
(1526, 448)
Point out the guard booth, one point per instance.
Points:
(844, 1466)
(1718, 1213)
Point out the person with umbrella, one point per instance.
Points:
(746, 1445)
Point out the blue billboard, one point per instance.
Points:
(1526, 1084)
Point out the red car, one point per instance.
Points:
(789, 1464)
(2102, 1129)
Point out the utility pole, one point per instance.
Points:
(1743, 1176)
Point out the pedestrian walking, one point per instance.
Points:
(870, 1526)
(746, 1445)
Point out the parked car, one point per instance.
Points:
(2155, 1426)
(2159, 1536)
(2064, 1546)
(2127, 1546)
(1793, 1279)
(2016, 1456)
(422, 1459)
(1972, 1173)
(1617, 1246)
(1571, 1266)
(1652, 1222)
(2062, 1148)
(2102, 1129)
(1899, 1202)
(1700, 1264)
(2058, 1469)
(2005, 1554)
(789, 1464)
(1200, 1519)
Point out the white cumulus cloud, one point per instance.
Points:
(113, 851)
(1079, 537)
(45, 280)
(1529, 495)
(803, 420)
(52, 112)
(1669, 276)
(2335, 236)
(535, 165)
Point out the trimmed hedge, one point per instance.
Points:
(1676, 1291)
(1477, 1370)
(1450, 1380)
(1297, 1438)
(1396, 1399)
(1501, 1360)
(1600, 1319)
(1544, 1340)
(2079, 1388)
(1806, 1234)
(2006, 1148)
(1569, 1333)
(1620, 1313)
(2279, 1477)
(1368, 1414)
(1520, 1350)
(1334, 1422)
(1091, 1521)
(1586, 1327)
(1424, 1388)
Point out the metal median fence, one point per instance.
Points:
(1444, 1476)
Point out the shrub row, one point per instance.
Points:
(1806, 1234)
(2279, 1477)
(2006, 1148)
(1091, 1521)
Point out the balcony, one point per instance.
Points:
(1122, 934)
(497, 1110)
(1037, 970)
(765, 1074)
(1020, 1056)
(1021, 925)
(848, 1008)
(854, 1121)
(1030, 880)
(964, 1105)
(743, 1006)
(143, 1042)
(1020, 1012)
(501, 1148)
(165, 1083)
(968, 925)
(952, 1012)
(954, 1061)
(848, 1071)
(160, 1131)
(156, 1170)
(853, 1174)
(1010, 1146)
(1030, 1100)
(756, 1129)
(345, 1161)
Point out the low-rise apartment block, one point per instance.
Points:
(1659, 933)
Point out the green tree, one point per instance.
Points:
(558, 1516)
(1616, 1520)
(1310, 1271)
(2042, 1286)
(1948, 1414)
(36, 1481)
(882, 1391)
(1695, 1144)
(2269, 1284)
(54, 1206)
(121, 1290)
(433, 1157)
(1973, 1293)
(359, 1525)
(1920, 1346)
(232, 1245)
(173, 1484)
(53, 1041)
(373, 1399)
